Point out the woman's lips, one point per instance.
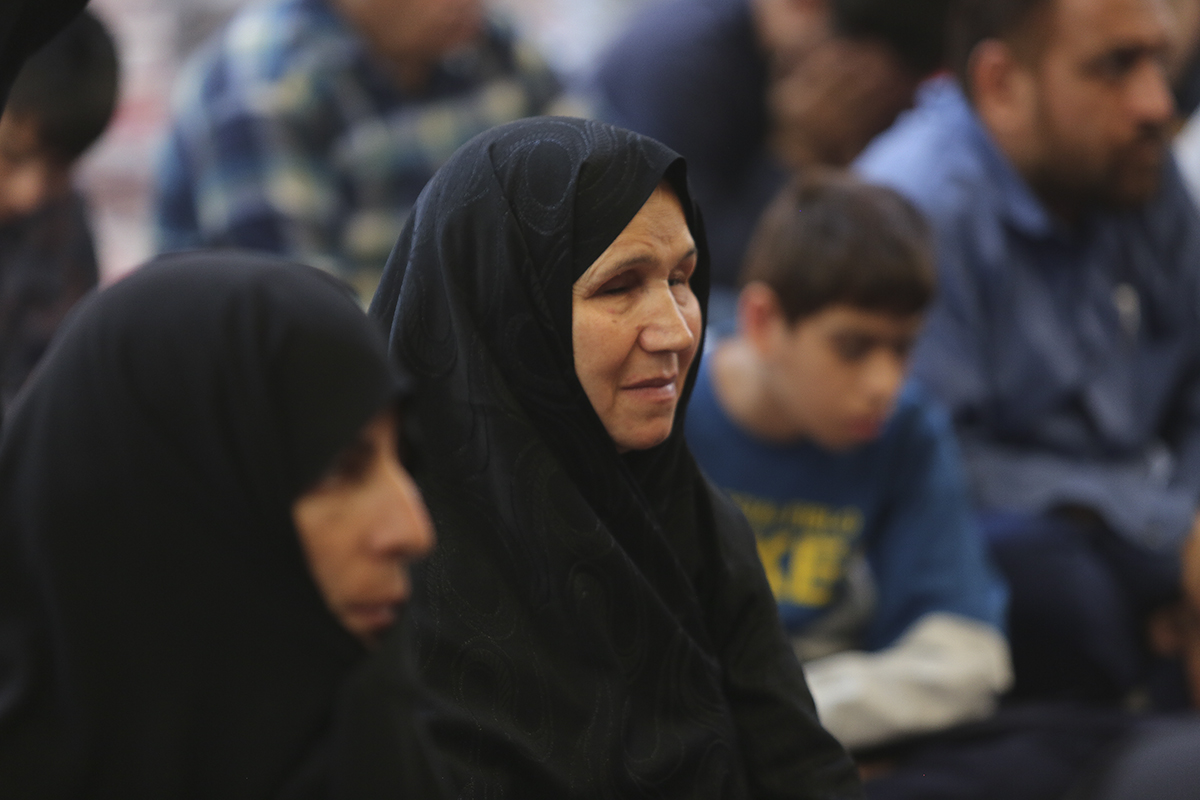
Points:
(656, 389)
(379, 612)
(375, 616)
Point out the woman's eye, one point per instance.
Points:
(351, 464)
(682, 274)
(618, 285)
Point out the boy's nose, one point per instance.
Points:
(884, 377)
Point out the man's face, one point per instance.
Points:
(1100, 106)
(420, 31)
(30, 176)
(828, 95)
(788, 29)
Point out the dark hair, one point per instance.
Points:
(914, 29)
(1018, 22)
(69, 88)
(830, 238)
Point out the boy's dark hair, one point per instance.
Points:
(828, 238)
(69, 88)
(914, 29)
(1020, 23)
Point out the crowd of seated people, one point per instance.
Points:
(912, 513)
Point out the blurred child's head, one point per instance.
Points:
(835, 284)
(59, 105)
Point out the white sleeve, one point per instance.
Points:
(945, 669)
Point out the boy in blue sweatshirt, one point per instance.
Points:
(851, 478)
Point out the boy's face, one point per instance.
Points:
(836, 374)
(29, 175)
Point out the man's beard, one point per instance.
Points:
(1128, 179)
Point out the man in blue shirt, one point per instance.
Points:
(1066, 337)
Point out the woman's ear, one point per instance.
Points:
(760, 317)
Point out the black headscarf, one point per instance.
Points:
(25, 25)
(597, 625)
(160, 634)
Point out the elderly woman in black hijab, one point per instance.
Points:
(595, 621)
(203, 527)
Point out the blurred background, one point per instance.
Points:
(155, 36)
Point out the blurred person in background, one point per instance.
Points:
(850, 479)
(1065, 338)
(1183, 58)
(308, 127)
(59, 105)
(1184, 67)
(748, 90)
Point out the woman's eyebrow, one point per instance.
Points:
(631, 261)
(642, 258)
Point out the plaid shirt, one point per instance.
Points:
(288, 136)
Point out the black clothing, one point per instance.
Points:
(596, 625)
(1157, 759)
(47, 262)
(160, 634)
(25, 25)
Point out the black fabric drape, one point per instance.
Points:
(595, 625)
(47, 262)
(160, 635)
(26, 25)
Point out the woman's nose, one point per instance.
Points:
(665, 329)
(406, 531)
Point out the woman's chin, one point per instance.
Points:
(641, 438)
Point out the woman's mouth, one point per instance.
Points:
(374, 616)
(660, 388)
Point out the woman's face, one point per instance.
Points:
(361, 526)
(635, 324)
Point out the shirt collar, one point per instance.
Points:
(1016, 200)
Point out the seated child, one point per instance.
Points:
(852, 483)
(60, 103)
